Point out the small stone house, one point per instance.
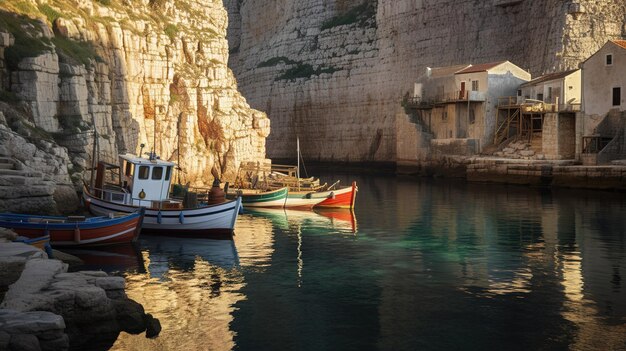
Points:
(561, 90)
(458, 104)
(604, 79)
(602, 122)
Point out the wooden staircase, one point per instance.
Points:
(503, 132)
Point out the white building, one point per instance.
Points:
(604, 79)
(459, 103)
(562, 89)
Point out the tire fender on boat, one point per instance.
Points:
(159, 217)
(77, 234)
(181, 217)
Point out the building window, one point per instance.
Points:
(519, 92)
(144, 172)
(617, 96)
(609, 59)
(540, 97)
(474, 85)
(444, 116)
(472, 116)
(157, 173)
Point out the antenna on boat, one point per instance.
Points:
(141, 150)
(298, 156)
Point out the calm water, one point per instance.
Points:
(423, 265)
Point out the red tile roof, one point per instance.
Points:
(549, 77)
(480, 67)
(620, 43)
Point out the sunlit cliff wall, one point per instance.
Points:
(150, 72)
(333, 72)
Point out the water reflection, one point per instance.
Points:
(333, 221)
(190, 285)
(111, 259)
(435, 265)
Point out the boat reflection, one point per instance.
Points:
(112, 258)
(191, 286)
(341, 221)
(183, 253)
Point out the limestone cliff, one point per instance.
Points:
(150, 72)
(333, 71)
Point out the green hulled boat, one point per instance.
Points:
(259, 198)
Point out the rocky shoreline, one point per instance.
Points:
(46, 308)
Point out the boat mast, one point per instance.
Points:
(298, 156)
(93, 152)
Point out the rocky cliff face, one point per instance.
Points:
(143, 72)
(333, 72)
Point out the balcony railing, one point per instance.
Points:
(457, 96)
(536, 106)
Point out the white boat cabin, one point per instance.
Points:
(142, 182)
(146, 179)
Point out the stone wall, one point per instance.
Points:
(567, 135)
(361, 69)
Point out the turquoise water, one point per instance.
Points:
(422, 265)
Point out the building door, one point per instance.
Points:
(617, 96)
(462, 92)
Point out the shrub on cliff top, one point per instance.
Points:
(51, 14)
(25, 7)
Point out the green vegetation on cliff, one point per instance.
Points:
(364, 15)
(275, 61)
(26, 44)
(304, 70)
(77, 52)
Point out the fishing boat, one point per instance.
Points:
(76, 230)
(299, 200)
(145, 182)
(304, 193)
(260, 198)
(340, 198)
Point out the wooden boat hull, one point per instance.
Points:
(91, 232)
(302, 201)
(269, 199)
(341, 198)
(203, 221)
